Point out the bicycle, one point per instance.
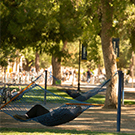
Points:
(5, 94)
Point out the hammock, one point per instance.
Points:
(85, 96)
(63, 111)
(59, 116)
(57, 80)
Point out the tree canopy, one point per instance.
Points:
(47, 25)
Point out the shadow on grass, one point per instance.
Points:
(54, 131)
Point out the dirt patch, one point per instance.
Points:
(94, 119)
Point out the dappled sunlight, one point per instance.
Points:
(93, 119)
(84, 119)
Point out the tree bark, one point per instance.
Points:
(37, 62)
(56, 69)
(132, 68)
(108, 54)
(28, 64)
(56, 65)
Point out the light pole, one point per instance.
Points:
(79, 67)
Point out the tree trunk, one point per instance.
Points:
(108, 54)
(5, 75)
(56, 69)
(132, 68)
(99, 69)
(28, 64)
(56, 65)
(37, 62)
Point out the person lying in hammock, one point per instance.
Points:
(35, 111)
(14, 92)
(53, 117)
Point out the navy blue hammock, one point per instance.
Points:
(61, 110)
(75, 94)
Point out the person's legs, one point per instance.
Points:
(37, 110)
(88, 79)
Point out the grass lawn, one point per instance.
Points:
(99, 99)
(22, 131)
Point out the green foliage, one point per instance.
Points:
(124, 54)
(95, 51)
(125, 24)
(46, 25)
(7, 54)
(21, 25)
(91, 33)
(72, 59)
(132, 39)
(29, 55)
(45, 61)
(124, 29)
(41, 24)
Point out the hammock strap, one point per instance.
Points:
(108, 80)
